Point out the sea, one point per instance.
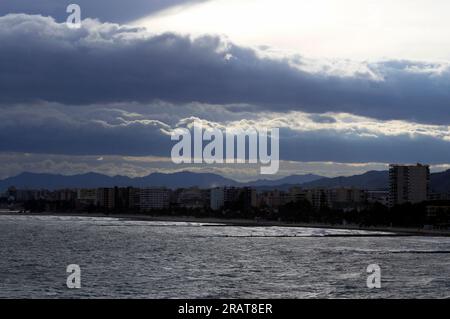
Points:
(120, 258)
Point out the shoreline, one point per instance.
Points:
(394, 231)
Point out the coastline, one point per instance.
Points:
(394, 231)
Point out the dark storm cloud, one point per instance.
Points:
(43, 60)
(105, 10)
(123, 130)
(86, 131)
(337, 147)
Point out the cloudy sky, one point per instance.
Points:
(353, 85)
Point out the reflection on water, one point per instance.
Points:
(142, 259)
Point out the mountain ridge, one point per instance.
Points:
(182, 179)
(371, 180)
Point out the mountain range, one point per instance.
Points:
(373, 180)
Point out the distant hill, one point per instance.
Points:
(173, 180)
(377, 180)
(92, 180)
(288, 180)
(54, 181)
(183, 179)
(373, 180)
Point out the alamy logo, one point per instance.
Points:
(74, 279)
(374, 279)
(74, 19)
(209, 145)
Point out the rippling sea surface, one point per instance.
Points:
(143, 259)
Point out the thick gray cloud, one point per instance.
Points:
(105, 10)
(107, 89)
(141, 130)
(323, 146)
(86, 131)
(104, 63)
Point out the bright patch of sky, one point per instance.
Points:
(332, 29)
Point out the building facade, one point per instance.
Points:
(106, 198)
(408, 184)
(217, 198)
(154, 199)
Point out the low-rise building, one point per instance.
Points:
(346, 198)
(191, 198)
(380, 197)
(296, 194)
(87, 196)
(318, 198)
(154, 198)
(106, 198)
(274, 199)
(217, 198)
